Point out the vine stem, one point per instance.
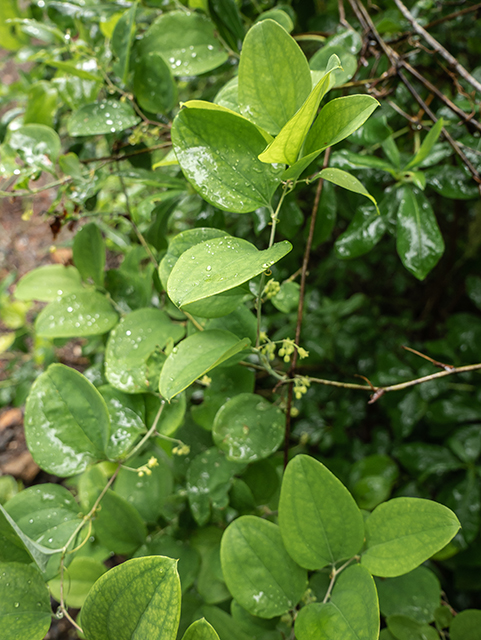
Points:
(335, 572)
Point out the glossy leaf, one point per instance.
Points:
(419, 242)
(278, 15)
(105, 116)
(200, 630)
(218, 153)
(258, 571)
(24, 613)
(248, 428)
(154, 87)
(352, 612)
(363, 233)
(186, 41)
(89, 253)
(226, 626)
(15, 546)
(348, 63)
(48, 283)
(452, 182)
(79, 577)
(126, 413)
(135, 600)
(195, 356)
(188, 557)
(274, 76)
(67, 425)
(347, 181)
(314, 508)
(217, 265)
(84, 313)
(427, 145)
(42, 104)
(465, 626)
(121, 41)
(227, 18)
(37, 143)
(404, 532)
(118, 525)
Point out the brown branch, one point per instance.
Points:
(137, 152)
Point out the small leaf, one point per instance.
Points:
(67, 424)
(136, 600)
(363, 233)
(404, 532)
(427, 144)
(37, 143)
(154, 87)
(15, 546)
(79, 577)
(89, 253)
(85, 313)
(122, 39)
(274, 76)
(105, 116)
(419, 242)
(226, 16)
(314, 508)
(48, 283)
(218, 265)
(404, 628)
(347, 181)
(348, 62)
(195, 356)
(24, 612)
(258, 571)
(465, 625)
(200, 630)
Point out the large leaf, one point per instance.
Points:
(136, 600)
(319, 521)
(186, 41)
(89, 253)
(347, 181)
(218, 152)
(352, 613)
(84, 313)
(259, 573)
(154, 87)
(274, 76)
(195, 356)
(24, 611)
(218, 265)
(419, 242)
(10, 35)
(48, 283)
(465, 626)
(105, 116)
(67, 425)
(404, 532)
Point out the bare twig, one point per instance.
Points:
(137, 152)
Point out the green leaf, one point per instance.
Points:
(314, 508)
(287, 144)
(118, 525)
(126, 413)
(427, 145)
(274, 76)
(74, 70)
(48, 283)
(278, 15)
(42, 104)
(67, 425)
(404, 628)
(452, 182)
(363, 233)
(259, 573)
(10, 35)
(121, 42)
(200, 630)
(416, 594)
(79, 577)
(286, 299)
(371, 480)
(226, 16)
(195, 356)
(15, 546)
(218, 152)
(186, 41)
(85, 313)
(227, 627)
(89, 253)
(104, 116)
(154, 87)
(347, 181)
(348, 62)
(37, 143)
(419, 242)
(218, 265)
(136, 600)
(465, 626)
(188, 557)
(131, 346)
(404, 532)
(24, 612)
(248, 428)
(352, 613)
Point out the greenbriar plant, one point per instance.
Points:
(168, 442)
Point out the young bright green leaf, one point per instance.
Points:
(48, 283)
(278, 15)
(105, 116)
(36, 142)
(89, 253)
(186, 41)
(259, 573)
(465, 625)
(122, 39)
(85, 313)
(319, 521)
(404, 532)
(24, 612)
(419, 241)
(127, 420)
(195, 356)
(426, 146)
(363, 233)
(248, 428)
(75, 69)
(404, 628)
(67, 425)
(136, 600)
(10, 35)
(274, 76)
(79, 577)
(218, 152)
(287, 144)
(348, 63)
(228, 95)
(172, 414)
(154, 87)
(218, 265)
(352, 613)
(200, 630)
(129, 359)
(347, 181)
(118, 525)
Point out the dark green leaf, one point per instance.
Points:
(89, 253)
(154, 87)
(416, 594)
(105, 116)
(121, 41)
(363, 233)
(118, 525)
(465, 626)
